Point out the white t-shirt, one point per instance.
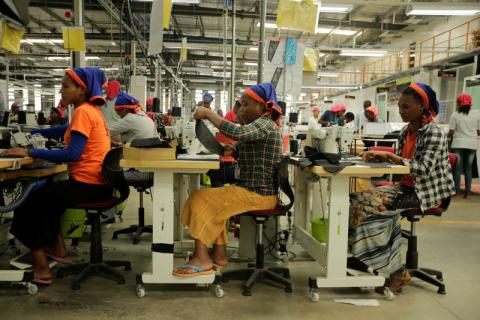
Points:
(312, 122)
(108, 111)
(133, 126)
(465, 126)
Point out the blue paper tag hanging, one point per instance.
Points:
(291, 51)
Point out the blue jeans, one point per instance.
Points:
(465, 159)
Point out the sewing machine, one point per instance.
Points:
(333, 139)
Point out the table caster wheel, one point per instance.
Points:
(32, 288)
(140, 291)
(219, 293)
(314, 296)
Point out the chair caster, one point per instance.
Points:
(314, 295)
(32, 288)
(219, 293)
(140, 291)
(441, 291)
(247, 292)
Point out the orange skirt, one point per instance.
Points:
(206, 211)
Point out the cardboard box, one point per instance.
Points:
(130, 153)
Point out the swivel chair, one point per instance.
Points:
(141, 181)
(279, 276)
(113, 174)
(431, 276)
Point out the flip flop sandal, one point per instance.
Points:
(43, 282)
(198, 271)
(54, 257)
(219, 266)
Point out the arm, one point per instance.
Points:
(55, 132)
(69, 154)
(451, 132)
(118, 127)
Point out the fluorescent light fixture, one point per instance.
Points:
(332, 86)
(321, 55)
(329, 75)
(37, 85)
(442, 10)
(253, 48)
(57, 58)
(175, 1)
(253, 64)
(92, 58)
(111, 69)
(362, 53)
(335, 8)
(341, 32)
(32, 41)
(249, 82)
(269, 25)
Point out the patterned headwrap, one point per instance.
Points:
(207, 96)
(125, 101)
(373, 110)
(92, 80)
(113, 89)
(265, 94)
(429, 98)
(339, 107)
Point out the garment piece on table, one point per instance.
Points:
(88, 120)
(207, 139)
(375, 231)
(133, 126)
(430, 167)
(207, 210)
(465, 126)
(259, 151)
(36, 222)
(313, 155)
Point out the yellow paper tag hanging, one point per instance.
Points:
(11, 37)
(298, 15)
(183, 50)
(73, 38)
(310, 59)
(167, 11)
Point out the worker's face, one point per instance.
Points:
(70, 91)
(316, 113)
(340, 114)
(122, 112)
(250, 110)
(410, 109)
(370, 116)
(206, 103)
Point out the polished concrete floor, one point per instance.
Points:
(450, 243)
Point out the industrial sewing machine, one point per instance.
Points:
(333, 139)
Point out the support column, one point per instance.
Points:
(231, 93)
(78, 58)
(261, 42)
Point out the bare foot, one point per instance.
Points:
(220, 259)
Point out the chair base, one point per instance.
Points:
(431, 276)
(279, 276)
(87, 269)
(137, 231)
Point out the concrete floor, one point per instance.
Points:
(450, 243)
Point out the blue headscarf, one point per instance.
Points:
(125, 101)
(265, 94)
(207, 96)
(92, 80)
(429, 98)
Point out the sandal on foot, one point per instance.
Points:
(198, 271)
(41, 281)
(54, 256)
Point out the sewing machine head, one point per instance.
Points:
(332, 139)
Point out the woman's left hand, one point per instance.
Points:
(375, 156)
(15, 152)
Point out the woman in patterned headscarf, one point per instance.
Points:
(374, 214)
(36, 223)
(259, 150)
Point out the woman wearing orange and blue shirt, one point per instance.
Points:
(36, 222)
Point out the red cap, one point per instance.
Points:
(149, 102)
(464, 99)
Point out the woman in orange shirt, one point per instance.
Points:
(36, 222)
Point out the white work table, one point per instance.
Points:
(332, 255)
(164, 217)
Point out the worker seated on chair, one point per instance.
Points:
(134, 122)
(36, 222)
(375, 214)
(259, 150)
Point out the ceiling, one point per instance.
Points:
(377, 24)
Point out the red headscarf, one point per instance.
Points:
(113, 89)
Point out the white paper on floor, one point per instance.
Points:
(360, 302)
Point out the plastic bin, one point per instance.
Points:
(320, 229)
(72, 223)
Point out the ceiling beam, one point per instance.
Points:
(42, 24)
(94, 25)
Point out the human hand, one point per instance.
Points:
(201, 113)
(375, 156)
(15, 152)
(229, 149)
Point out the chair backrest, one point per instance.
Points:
(284, 184)
(113, 173)
(386, 149)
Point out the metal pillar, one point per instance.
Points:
(78, 57)
(231, 93)
(225, 35)
(7, 75)
(261, 42)
(133, 57)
